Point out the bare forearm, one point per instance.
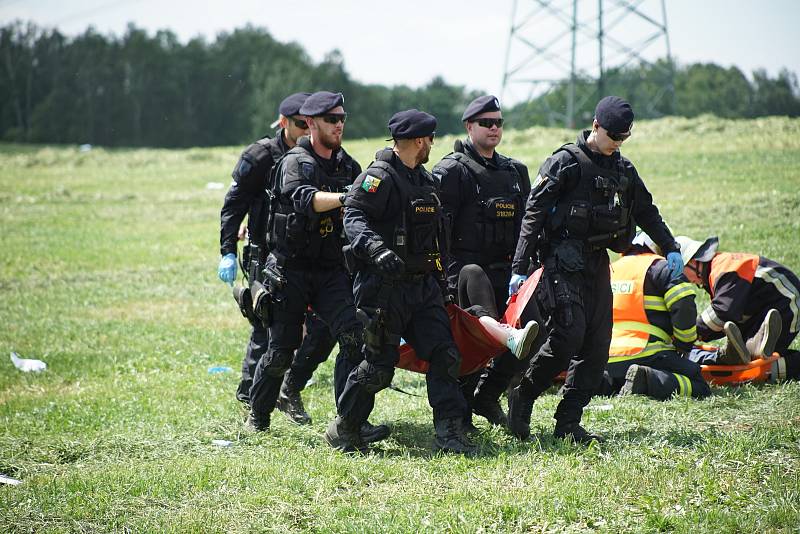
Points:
(325, 201)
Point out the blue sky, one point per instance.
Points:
(464, 41)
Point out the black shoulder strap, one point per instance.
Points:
(272, 146)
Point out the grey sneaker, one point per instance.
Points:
(762, 345)
(735, 350)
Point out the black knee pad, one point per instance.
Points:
(277, 362)
(447, 362)
(374, 378)
(350, 345)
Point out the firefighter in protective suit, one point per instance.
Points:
(246, 196)
(755, 296)
(483, 193)
(654, 328)
(586, 198)
(393, 219)
(305, 266)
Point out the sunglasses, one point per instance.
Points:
(431, 136)
(618, 136)
(488, 123)
(334, 118)
(300, 123)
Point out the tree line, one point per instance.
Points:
(663, 88)
(143, 89)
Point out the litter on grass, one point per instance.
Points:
(10, 481)
(25, 365)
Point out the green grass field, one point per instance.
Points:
(108, 273)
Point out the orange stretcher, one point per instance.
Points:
(476, 346)
(756, 371)
(730, 375)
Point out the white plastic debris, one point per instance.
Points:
(85, 147)
(601, 407)
(221, 442)
(25, 365)
(10, 481)
(215, 185)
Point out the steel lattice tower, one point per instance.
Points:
(557, 42)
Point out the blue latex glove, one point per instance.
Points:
(516, 281)
(227, 268)
(675, 264)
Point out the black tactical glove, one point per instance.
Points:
(387, 261)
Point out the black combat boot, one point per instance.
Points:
(520, 407)
(762, 345)
(372, 433)
(291, 403)
(450, 437)
(257, 423)
(344, 436)
(488, 407)
(576, 433)
(469, 428)
(635, 380)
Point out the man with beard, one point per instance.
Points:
(246, 197)
(393, 219)
(483, 193)
(305, 265)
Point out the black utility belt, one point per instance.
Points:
(307, 264)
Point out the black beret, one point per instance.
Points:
(411, 124)
(614, 114)
(291, 104)
(482, 104)
(321, 102)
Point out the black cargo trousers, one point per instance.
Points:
(579, 310)
(411, 307)
(329, 292)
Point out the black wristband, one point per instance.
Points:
(341, 198)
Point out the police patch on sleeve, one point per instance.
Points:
(307, 170)
(370, 184)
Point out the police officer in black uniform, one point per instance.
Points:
(246, 196)
(305, 265)
(393, 218)
(483, 194)
(586, 198)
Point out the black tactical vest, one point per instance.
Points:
(597, 211)
(313, 241)
(486, 230)
(415, 237)
(254, 158)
